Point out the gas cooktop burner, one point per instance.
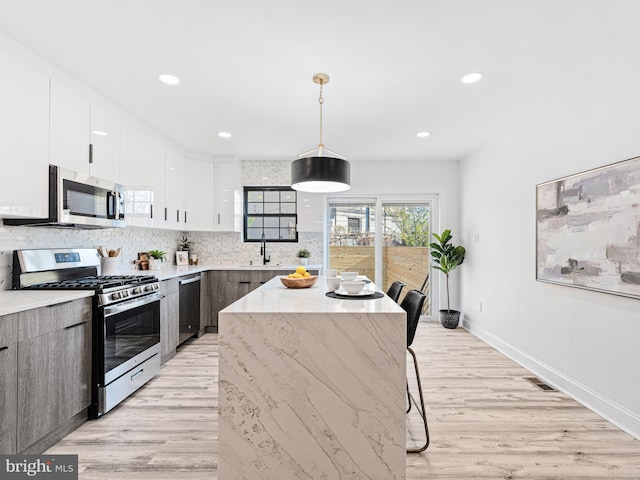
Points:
(95, 282)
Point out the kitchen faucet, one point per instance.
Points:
(263, 250)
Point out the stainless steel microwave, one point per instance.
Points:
(80, 201)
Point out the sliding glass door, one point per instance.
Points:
(386, 239)
(405, 246)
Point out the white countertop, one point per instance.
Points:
(273, 296)
(172, 271)
(13, 301)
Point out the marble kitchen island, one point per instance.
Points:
(311, 387)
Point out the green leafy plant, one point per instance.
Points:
(303, 253)
(446, 256)
(158, 255)
(185, 244)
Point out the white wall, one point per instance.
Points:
(584, 342)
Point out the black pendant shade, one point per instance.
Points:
(320, 174)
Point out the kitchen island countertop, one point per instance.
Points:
(311, 386)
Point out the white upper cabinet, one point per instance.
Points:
(70, 132)
(105, 144)
(175, 189)
(24, 140)
(310, 211)
(199, 211)
(142, 170)
(83, 137)
(227, 195)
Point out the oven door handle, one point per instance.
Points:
(129, 304)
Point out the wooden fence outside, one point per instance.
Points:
(407, 264)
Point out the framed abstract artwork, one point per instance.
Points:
(588, 229)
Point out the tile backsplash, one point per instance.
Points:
(212, 248)
(228, 249)
(131, 239)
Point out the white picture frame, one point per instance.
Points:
(182, 258)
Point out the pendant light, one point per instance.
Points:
(320, 170)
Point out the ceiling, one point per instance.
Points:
(246, 66)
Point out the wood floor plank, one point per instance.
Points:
(486, 422)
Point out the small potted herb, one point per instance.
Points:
(303, 255)
(184, 244)
(157, 257)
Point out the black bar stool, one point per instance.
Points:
(395, 289)
(412, 303)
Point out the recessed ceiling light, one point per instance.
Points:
(422, 134)
(224, 134)
(472, 77)
(169, 79)
(99, 132)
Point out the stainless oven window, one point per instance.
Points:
(130, 332)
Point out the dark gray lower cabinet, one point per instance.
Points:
(8, 384)
(227, 286)
(206, 301)
(169, 318)
(54, 369)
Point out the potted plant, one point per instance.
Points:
(184, 244)
(157, 257)
(303, 255)
(446, 258)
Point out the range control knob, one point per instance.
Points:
(136, 290)
(148, 288)
(115, 296)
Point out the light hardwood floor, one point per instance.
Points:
(486, 422)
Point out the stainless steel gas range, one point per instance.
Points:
(126, 317)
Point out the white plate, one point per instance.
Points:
(362, 293)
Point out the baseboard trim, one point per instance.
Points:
(612, 412)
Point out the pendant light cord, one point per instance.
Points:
(320, 101)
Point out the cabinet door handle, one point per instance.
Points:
(178, 216)
(218, 219)
(3, 348)
(75, 325)
(244, 283)
(165, 213)
(137, 374)
(91, 153)
(151, 210)
(185, 216)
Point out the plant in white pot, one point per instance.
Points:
(157, 257)
(446, 258)
(303, 256)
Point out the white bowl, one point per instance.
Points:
(354, 286)
(348, 276)
(333, 283)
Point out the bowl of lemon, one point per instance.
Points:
(299, 279)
